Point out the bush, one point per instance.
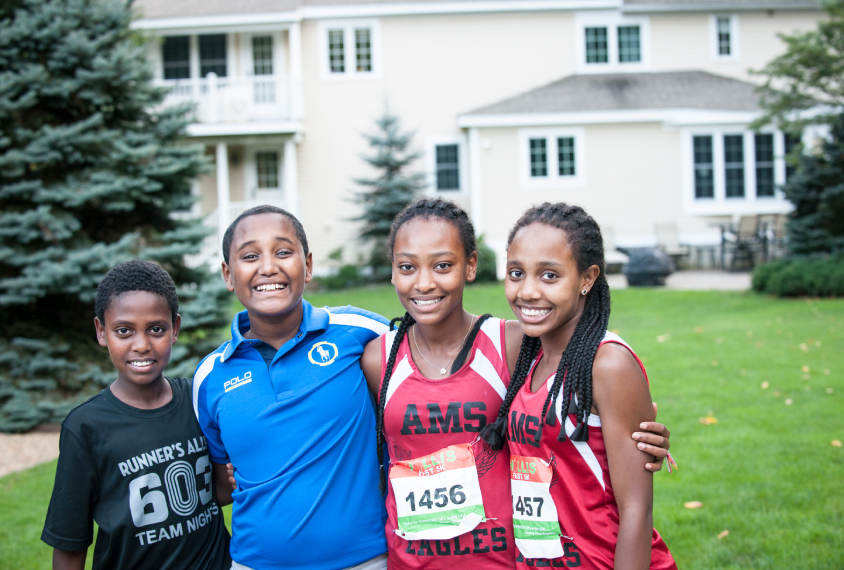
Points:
(486, 263)
(819, 277)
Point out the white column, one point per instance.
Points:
(223, 196)
(475, 194)
(295, 86)
(290, 178)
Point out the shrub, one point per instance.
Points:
(818, 277)
(486, 263)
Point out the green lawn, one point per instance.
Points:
(766, 471)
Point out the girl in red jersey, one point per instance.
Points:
(445, 374)
(580, 498)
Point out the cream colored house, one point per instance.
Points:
(635, 109)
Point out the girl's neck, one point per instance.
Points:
(554, 342)
(445, 334)
(144, 397)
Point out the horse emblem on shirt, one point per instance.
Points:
(323, 353)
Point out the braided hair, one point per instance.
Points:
(424, 208)
(574, 373)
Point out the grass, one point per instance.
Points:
(766, 471)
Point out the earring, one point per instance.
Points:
(585, 291)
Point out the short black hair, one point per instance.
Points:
(265, 209)
(136, 275)
(441, 209)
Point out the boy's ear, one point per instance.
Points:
(309, 267)
(227, 276)
(101, 336)
(177, 325)
(472, 266)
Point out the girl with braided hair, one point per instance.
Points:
(439, 378)
(577, 393)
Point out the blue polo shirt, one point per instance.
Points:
(301, 435)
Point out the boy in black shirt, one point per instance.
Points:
(133, 458)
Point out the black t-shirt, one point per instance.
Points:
(145, 477)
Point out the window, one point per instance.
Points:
(628, 44)
(764, 144)
(596, 45)
(348, 48)
(447, 158)
(262, 55)
(791, 141)
(704, 169)
(723, 31)
(212, 55)
(538, 157)
(336, 51)
(734, 165)
(724, 34)
(565, 156)
(363, 49)
(175, 53)
(267, 166)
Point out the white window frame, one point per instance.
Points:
(612, 20)
(735, 40)
(720, 204)
(250, 174)
(431, 144)
(349, 27)
(554, 179)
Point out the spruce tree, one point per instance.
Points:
(388, 193)
(91, 171)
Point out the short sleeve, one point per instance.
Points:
(361, 324)
(204, 415)
(69, 524)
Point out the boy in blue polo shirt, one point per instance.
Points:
(286, 402)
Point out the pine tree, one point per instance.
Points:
(91, 171)
(391, 191)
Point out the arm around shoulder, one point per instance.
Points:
(67, 560)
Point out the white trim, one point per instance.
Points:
(486, 370)
(672, 117)
(201, 374)
(360, 321)
(735, 38)
(705, 6)
(431, 144)
(349, 27)
(582, 447)
(290, 174)
(611, 19)
(475, 190)
(250, 128)
(553, 179)
(400, 374)
(492, 329)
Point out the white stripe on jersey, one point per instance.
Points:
(492, 329)
(400, 374)
(201, 374)
(389, 339)
(486, 370)
(357, 321)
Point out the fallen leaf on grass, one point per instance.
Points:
(743, 371)
(805, 368)
(765, 385)
(708, 420)
(829, 390)
(803, 347)
(749, 333)
(722, 534)
(789, 402)
(777, 393)
(698, 329)
(836, 443)
(714, 363)
(817, 343)
(693, 505)
(807, 376)
(826, 371)
(663, 337)
(719, 340)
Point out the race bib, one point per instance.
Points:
(535, 523)
(437, 496)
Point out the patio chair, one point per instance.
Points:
(743, 242)
(614, 259)
(668, 240)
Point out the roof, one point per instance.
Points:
(629, 91)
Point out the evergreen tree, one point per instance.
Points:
(390, 192)
(90, 173)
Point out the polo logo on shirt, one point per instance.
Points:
(238, 381)
(323, 353)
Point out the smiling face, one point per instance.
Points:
(267, 267)
(139, 333)
(543, 285)
(430, 269)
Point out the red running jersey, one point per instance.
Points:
(422, 416)
(581, 488)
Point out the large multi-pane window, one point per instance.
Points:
(791, 141)
(212, 55)
(175, 53)
(262, 55)
(538, 157)
(336, 51)
(629, 45)
(597, 45)
(724, 35)
(704, 168)
(764, 144)
(447, 158)
(266, 164)
(565, 156)
(734, 165)
(363, 49)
